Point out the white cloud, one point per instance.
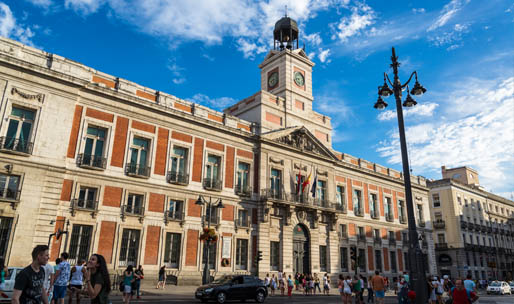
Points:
(41, 3)
(478, 133)
(362, 17)
(177, 72)
(250, 49)
(424, 109)
(208, 57)
(323, 55)
(10, 28)
(314, 39)
(216, 103)
(447, 13)
(418, 10)
(84, 7)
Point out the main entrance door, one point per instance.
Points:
(301, 254)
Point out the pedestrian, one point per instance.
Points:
(267, 282)
(273, 284)
(326, 284)
(440, 290)
(4, 272)
(432, 286)
(77, 280)
(378, 285)
(62, 275)
(28, 286)
(53, 298)
(460, 295)
(290, 285)
(370, 291)
(296, 280)
(128, 279)
(162, 277)
(281, 283)
(402, 290)
(347, 290)
(311, 285)
(448, 284)
(316, 283)
(469, 284)
(97, 281)
(357, 288)
(48, 285)
(139, 276)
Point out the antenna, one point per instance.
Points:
(286, 10)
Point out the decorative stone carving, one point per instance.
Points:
(38, 97)
(302, 141)
(304, 168)
(276, 161)
(301, 215)
(321, 172)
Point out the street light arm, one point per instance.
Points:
(406, 83)
(389, 80)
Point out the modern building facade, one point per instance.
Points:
(119, 167)
(473, 228)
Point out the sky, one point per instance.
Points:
(208, 51)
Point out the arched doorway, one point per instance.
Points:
(301, 254)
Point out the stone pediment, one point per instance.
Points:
(300, 138)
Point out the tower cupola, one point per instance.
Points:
(285, 34)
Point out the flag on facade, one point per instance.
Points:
(307, 181)
(299, 180)
(314, 185)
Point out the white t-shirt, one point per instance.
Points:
(49, 270)
(346, 287)
(325, 281)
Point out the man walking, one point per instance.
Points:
(461, 295)
(378, 284)
(469, 284)
(28, 287)
(62, 274)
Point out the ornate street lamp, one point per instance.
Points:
(206, 278)
(417, 269)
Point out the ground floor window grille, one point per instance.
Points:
(5, 232)
(242, 254)
(378, 260)
(80, 243)
(129, 247)
(212, 256)
(393, 261)
(323, 258)
(274, 255)
(172, 250)
(343, 253)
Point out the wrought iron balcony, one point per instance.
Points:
(212, 184)
(374, 214)
(91, 161)
(16, 145)
(10, 195)
(302, 198)
(377, 240)
(389, 217)
(214, 218)
(464, 225)
(340, 207)
(243, 190)
(343, 235)
(136, 170)
(177, 178)
(324, 203)
(403, 219)
(84, 205)
(483, 228)
(129, 210)
(273, 194)
(489, 229)
(361, 238)
(441, 246)
(173, 216)
(358, 211)
(392, 241)
(439, 224)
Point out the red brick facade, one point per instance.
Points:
(161, 152)
(228, 213)
(229, 167)
(106, 241)
(55, 246)
(112, 196)
(120, 141)
(99, 115)
(197, 160)
(193, 209)
(74, 134)
(153, 234)
(191, 247)
(156, 202)
(66, 190)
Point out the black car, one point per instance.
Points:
(233, 287)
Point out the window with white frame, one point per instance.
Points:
(323, 260)
(388, 209)
(87, 198)
(134, 204)
(139, 152)
(19, 130)
(401, 210)
(213, 172)
(343, 258)
(94, 145)
(435, 200)
(242, 254)
(179, 165)
(373, 205)
(9, 187)
(172, 250)
(341, 202)
(242, 218)
(275, 182)
(357, 201)
(274, 255)
(243, 178)
(321, 191)
(175, 209)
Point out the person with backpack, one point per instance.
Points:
(290, 285)
(97, 282)
(461, 295)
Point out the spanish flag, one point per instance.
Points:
(307, 181)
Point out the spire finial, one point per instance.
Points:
(286, 10)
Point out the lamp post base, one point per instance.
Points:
(418, 282)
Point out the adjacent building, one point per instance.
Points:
(473, 228)
(120, 167)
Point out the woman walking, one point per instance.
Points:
(370, 291)
(326, 284)
(290, 285)
(139, 276)
(97, 281)
(273, 284)
(282, 284)
(128, 279)
(162, 277)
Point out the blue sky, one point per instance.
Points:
(208, 52)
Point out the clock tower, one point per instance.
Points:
(285, 98)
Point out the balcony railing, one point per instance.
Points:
(483, 228)
(377, 240)
(10, 195)
(243, 190)
(242, 222)
(214, 218)
(173, 215)
(405, 242)
(374, 214)
(324, 203)
(177, 178)
(273, 194)
(343, 235)
(361, 238)
(358, 211)
(340, 207)
(136, 170)
(464, 225)
(91, 161)
(389, 217)
(84, 205)
(212, 184)
(439, 224)
(15, 145)
(129, 210)
(302, 198)
(403, 219)
(392, 241)
(441, 246)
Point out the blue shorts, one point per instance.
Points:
(59, 292)
(380, 294)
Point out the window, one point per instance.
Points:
(19, 130)
(276, 183)
(435, 200)
(357, 202)
(376, 233)
(343, 230)
(87, 198)
(129, 247)
(274, 255)
(93, 155)
(341, 202)
(373, 206)
(172, 250)
(242, 218)
(440, 238)
(242, 254)
(458, 200)
(134, 204)
(80, 242)
(321, 191)
(139, 150)
(211, 214)
(406, 261)
(175, 208)
(9, 187)
(212, 168)
(343, 256)
(392, 254)
(362, 260)
(323, 258)
(420, 215)
(5, 233)
(361, 232)
(212, 255)
(405, 237)
(243, 178)
(388, 209)
(179, 160)
(378, 259)
(391, 236)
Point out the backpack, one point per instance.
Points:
(468, 293)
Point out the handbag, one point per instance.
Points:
(122, 286)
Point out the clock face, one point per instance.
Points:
(298, 79)
(273, 79)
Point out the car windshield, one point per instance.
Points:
(495, 284)
(223, 280)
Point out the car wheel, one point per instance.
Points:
(221, 297)
(260, 297)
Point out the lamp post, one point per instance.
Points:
(218, 204)
(59, 232)
(417, 272)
